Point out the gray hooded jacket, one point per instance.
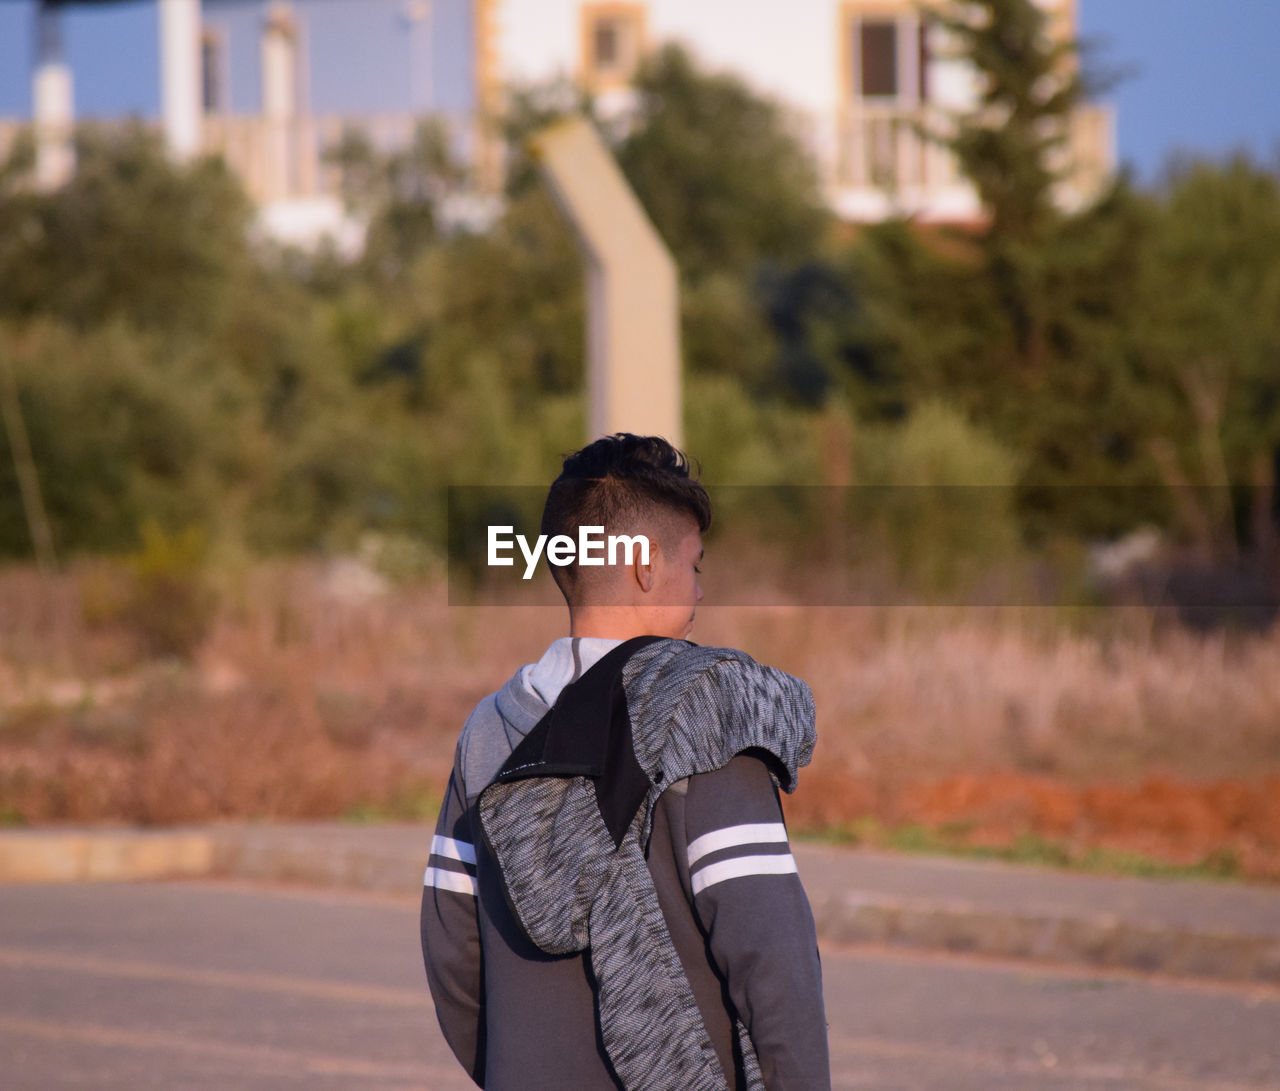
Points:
(616, 905)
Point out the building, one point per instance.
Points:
(860, 77)
(274, 84)
(279, 82)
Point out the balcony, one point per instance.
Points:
(281, 159)
(288, 158)
(883, 165)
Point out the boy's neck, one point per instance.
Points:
(608, 622)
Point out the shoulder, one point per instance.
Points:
(748, 779)
(480, 733)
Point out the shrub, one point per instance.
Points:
(946, 508)
(168, 602)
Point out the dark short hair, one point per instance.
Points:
(621, 482)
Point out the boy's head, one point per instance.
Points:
(630, 485)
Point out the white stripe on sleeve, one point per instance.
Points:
(442, 879)
(739, 866)
(453, 850)
(751, 833)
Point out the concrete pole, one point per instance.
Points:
(422, 98)
(53, 101)
(633, 312)
(180, 76)
(279, 99)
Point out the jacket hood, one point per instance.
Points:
(587, 772)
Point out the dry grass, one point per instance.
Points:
(320, 690)
(313, 694)
(997, 724)
(907, 692)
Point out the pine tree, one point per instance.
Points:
(1020, 320)
(1012, 146)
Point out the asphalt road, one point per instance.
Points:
(211, 985)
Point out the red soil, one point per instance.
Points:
(1161, 818)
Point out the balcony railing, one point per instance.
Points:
(278, 158)
(885, 149)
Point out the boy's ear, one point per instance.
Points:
(645, 573)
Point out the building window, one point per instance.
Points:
(606, 45)
(886, 53)
(885, 57)
(212, 66)
(613, 40)
(878, 58)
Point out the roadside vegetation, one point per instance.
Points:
(241, 452)
(334, 688)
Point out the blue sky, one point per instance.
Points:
(1204, 75)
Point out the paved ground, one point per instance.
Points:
(392, 857)
(1220, 931)
(218, 985)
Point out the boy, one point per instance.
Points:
(610, 899)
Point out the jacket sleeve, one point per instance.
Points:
(450, 929)
(739, 873)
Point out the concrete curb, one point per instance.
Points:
(266, 854)
(392, 860)
(1103, 941)
(48, 856)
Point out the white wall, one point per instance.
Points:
(789, 50)
(537, 39)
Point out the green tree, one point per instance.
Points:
(1206, 351)
(944, 505)
(928, 324)
(513, 294)
(718, 169)
(1019, 321)
(131, 236)
(1013, 147)
(122, 430)
(401, 193)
